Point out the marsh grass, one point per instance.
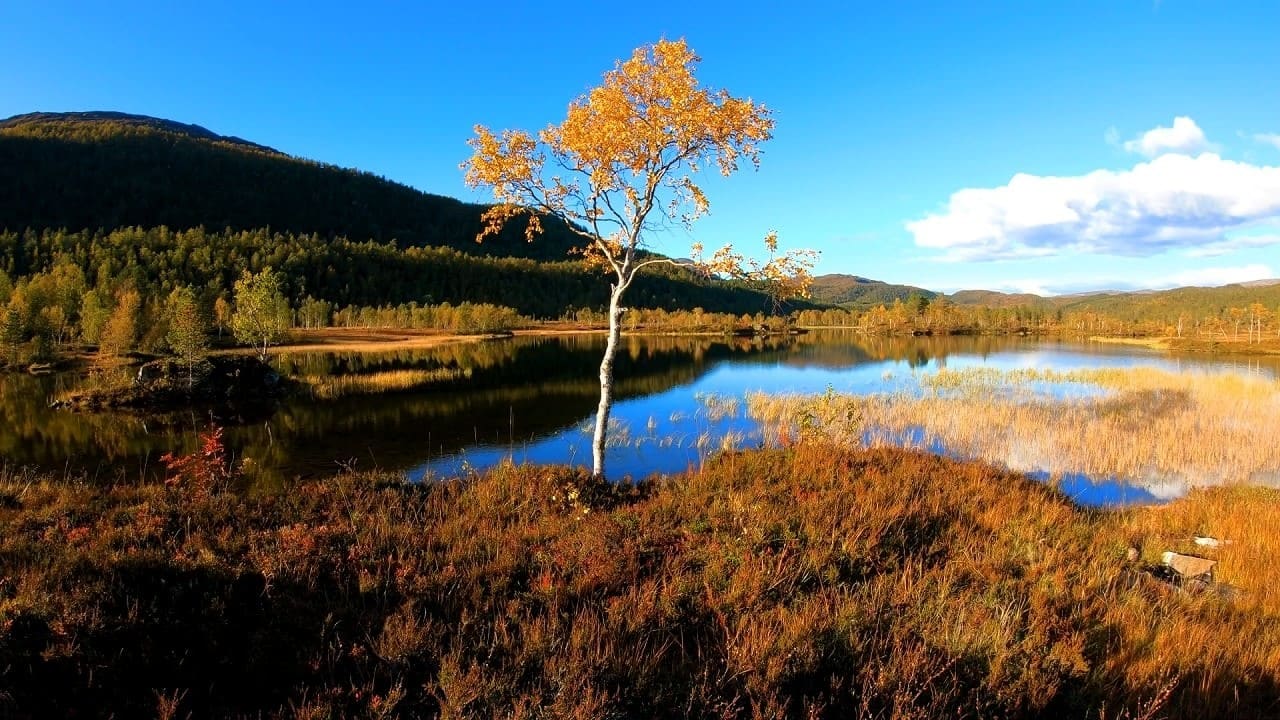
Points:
(1161, 430)
(329, 387)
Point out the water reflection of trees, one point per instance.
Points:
(517, 389)
(97, 443)
(542, 387)
(844, 348)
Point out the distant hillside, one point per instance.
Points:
(158, 204)
(1140, 305)
(106, 170)
(992, 298)
(1167, 305)
(859, 293)
(63, 123)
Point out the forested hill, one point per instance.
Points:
(1167, 305)
(1136, 306)
(104, 170)
(859, 293)
(994, 298)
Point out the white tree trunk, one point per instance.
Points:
(606, 381)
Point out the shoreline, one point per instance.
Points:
(373, 340)
(388, 339)
(1269, 347)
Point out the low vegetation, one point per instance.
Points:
(1162, 430)
(335, 386)
(808, 582)
(1231, 318)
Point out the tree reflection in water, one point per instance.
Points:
(509, 393)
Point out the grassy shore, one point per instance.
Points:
(1269, 345)
(809, 582)
(1165, 431)
(1227, 345)
(391, 339)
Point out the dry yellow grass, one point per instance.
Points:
(1167, 431)
(1156, 343)
(810, 582)
(1204, 639)
(1160, 430)
(335, 386)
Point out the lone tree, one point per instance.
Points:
(622, 164)
(187, 334)
(262, 313)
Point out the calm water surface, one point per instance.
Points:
(532, 399)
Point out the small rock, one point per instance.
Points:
(1212, 542)
(1189, 567)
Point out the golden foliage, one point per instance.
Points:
(629, 147)
(781, 276)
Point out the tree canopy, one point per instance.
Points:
(262, 313)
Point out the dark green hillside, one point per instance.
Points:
(112, 170)
(156, 204)
(853, 292)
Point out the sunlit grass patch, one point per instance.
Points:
(811, 582)
(335, 386)
(1149, 427)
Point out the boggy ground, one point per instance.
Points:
(803, 582)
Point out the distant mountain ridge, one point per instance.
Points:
(1138, 305)
(108, 170)
(173, 203)
(854, 292)
(103, 170)
(993, 298)
(38, 119)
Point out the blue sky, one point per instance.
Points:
(1041, 146)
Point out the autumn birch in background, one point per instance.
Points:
(187, 335)
(621, 165)
(262, 314)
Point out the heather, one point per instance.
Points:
(810, 581)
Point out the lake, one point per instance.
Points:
(532, 399)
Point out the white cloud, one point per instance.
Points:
(1272, 139)
(1184, 137)
(1115, 283)
(1214, 276)
(1173, 202)
(1231, 245)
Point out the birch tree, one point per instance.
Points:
(262, 314)
(624, 163)
(187, 333)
